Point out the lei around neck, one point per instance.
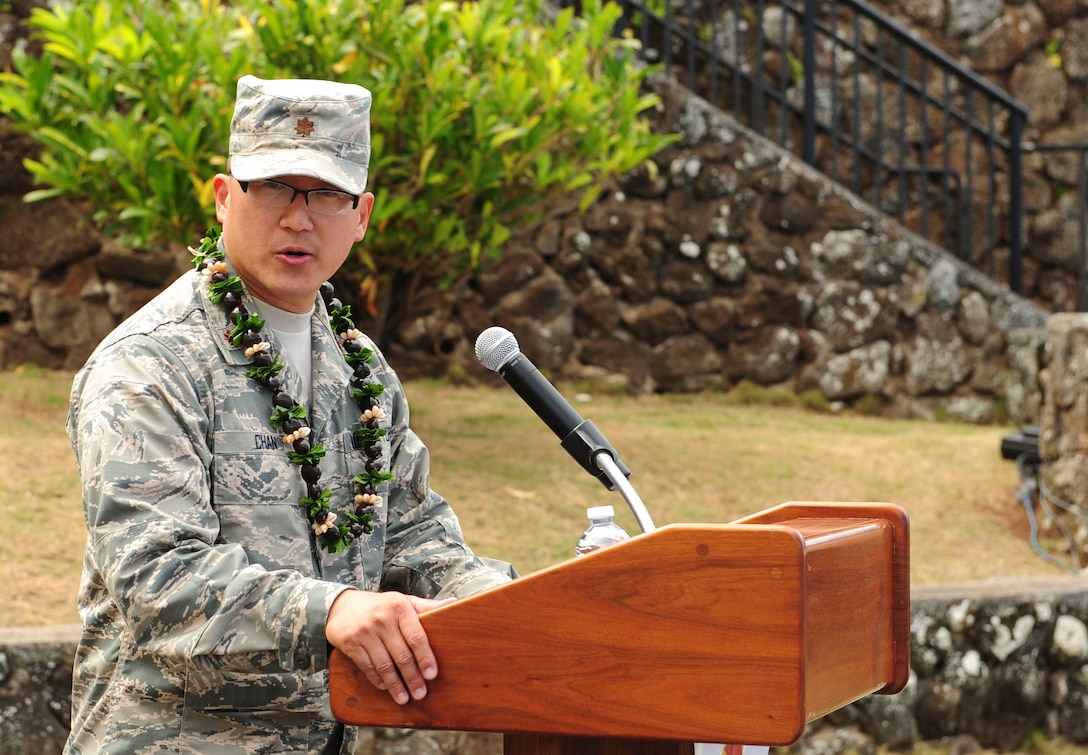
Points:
(333, 533)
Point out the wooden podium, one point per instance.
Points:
(733, 633)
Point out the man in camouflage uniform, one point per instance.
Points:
(208, 605)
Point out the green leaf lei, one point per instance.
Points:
(334, 534)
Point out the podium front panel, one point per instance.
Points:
(714, 633)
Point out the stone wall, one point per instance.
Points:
(991, 663)
(1062, 472)
(736, 262)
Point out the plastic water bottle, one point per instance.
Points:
(602, 532)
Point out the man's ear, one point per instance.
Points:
(366, 206)
(221, 186)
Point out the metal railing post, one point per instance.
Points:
(1082, 240)
(808, 25)
(1016, 200)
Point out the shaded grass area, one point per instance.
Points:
(41, 520)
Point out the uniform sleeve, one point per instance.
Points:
(426, 553)
(139, 426)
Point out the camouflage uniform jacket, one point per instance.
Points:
(203, 596)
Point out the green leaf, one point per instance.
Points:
(506, 135)
(340, 319)
(261, 374)
(313, 456)
(367, 435)
(283, 413)
(359, 357)
(217, 291)
(241, 326)
(372, 479)
(321, 503)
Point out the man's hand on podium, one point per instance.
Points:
(382, 635)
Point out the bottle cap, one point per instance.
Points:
(600, 512)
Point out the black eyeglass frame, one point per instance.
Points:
(304, 192)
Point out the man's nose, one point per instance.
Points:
(297, 214)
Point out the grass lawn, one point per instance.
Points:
(694, 458)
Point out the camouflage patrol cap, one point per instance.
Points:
(301, 127)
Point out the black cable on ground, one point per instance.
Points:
(1032, 490)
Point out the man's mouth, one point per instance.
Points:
(296, 254)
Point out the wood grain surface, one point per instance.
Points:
(738, 632)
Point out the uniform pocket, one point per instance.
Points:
(249, 711)
(246, 681)
(255, 493)
(252, 468)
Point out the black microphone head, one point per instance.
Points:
(495, 347)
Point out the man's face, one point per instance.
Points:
(284, 254)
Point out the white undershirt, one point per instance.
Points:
(293, 330)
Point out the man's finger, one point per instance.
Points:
(419, 646)
(389, 672)
(381, 671)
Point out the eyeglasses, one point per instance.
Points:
(322, 201)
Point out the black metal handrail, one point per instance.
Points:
(860, 97)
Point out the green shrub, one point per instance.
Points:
(814, 400)
(749, 393)
(870, 405)
(130, 110)
(484, 112)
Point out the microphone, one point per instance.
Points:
(498, 351)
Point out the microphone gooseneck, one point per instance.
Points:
(498, 351)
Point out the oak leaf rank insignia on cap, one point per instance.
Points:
(304, 127)
(301, 127)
